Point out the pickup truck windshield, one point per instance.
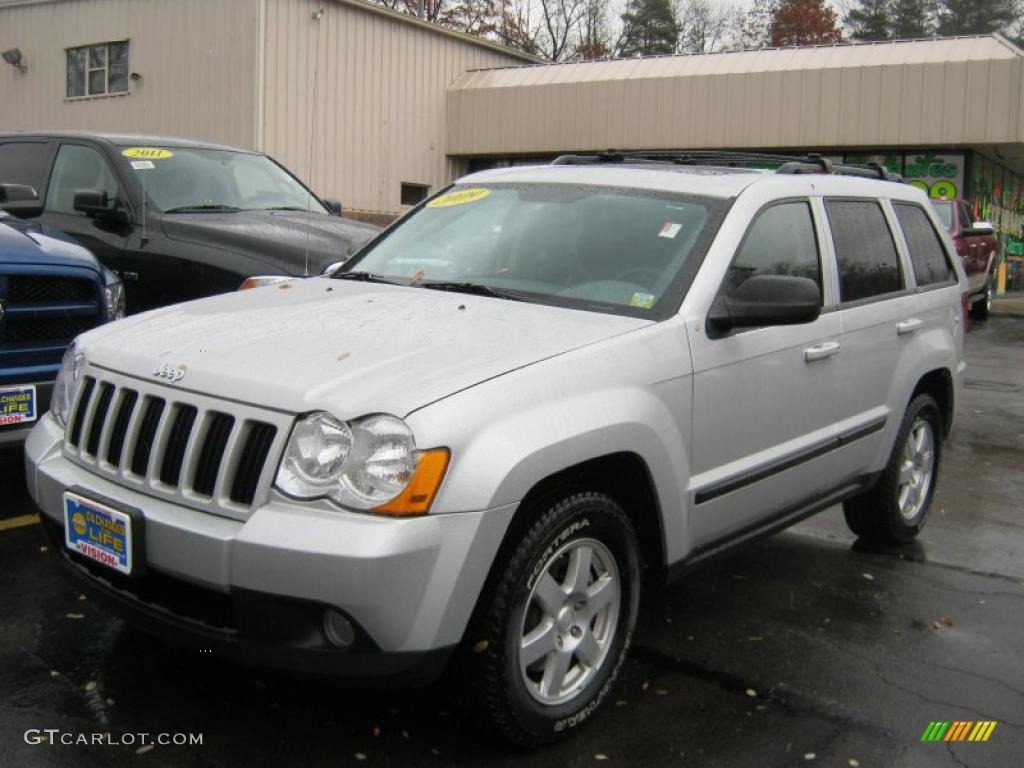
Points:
(213, 180)
(597, 248)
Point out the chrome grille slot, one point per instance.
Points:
(177, 440)
(250, 466)
(99, 417)
(75, 433)
(120, 431)
(209, 454)
(215, 441)
(147, 435)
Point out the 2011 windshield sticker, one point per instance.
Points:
(147, 153)
(459, 197)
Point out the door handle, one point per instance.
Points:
(908, 326)
(821, 351)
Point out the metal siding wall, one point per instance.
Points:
(183, 92)
(953, 92)
(380, 100)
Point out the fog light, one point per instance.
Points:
(338, 629)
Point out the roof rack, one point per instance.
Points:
(809, 163)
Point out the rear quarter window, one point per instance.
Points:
(927, 255)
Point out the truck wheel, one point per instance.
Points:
(981, 308)
(557, 622)
(894, 510)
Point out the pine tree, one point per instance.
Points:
(872, 20)
(974, 17)
(649, 28)
(912, 18)
(804, 22)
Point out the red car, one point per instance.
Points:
(976, 244)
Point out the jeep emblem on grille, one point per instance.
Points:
(173, 373)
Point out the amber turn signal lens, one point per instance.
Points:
(418, 495)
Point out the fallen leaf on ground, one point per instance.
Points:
(868, 576)
(75, 615)
(751, 692)
(90, 686)
(810, 756)
(143, 749)
(947, 620)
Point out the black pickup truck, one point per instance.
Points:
(177, 219)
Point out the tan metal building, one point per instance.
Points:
(350, 96)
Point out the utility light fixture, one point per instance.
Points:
(13, 57)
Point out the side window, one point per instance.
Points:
(781, 241)
(77, 168)
(868, 262)
(966, 216)
(21, 162)
(931, 265)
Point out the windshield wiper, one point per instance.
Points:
(201, 208)
(284, 208)
(476, 289)
(366, 277)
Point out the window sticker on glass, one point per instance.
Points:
(642, 300)
(147, 153)
(143, 165)
(670, 229)
(459, 197)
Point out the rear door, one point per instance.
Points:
(880, 314)
(81, 165)
(764, 397)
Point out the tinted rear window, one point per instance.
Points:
(21, 162)
(931, 264)
(868, 262)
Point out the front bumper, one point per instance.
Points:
(257, 589)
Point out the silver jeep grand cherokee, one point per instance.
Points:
(472, 440)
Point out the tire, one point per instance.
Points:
(895, 509)
(980, 309)
(578, 644)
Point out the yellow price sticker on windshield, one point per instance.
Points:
(459, 197)
(147, 153)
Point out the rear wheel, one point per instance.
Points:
(894, 511)
(552, 632)
(980, 309)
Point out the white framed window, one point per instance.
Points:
(96, 70)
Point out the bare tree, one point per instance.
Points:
(703, 26)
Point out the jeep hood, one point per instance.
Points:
(282, 239)
(345, 347)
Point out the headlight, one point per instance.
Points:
(113, 294)
(66, 385)
(365, 464)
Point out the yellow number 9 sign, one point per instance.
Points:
(147, 153)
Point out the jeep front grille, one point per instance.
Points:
(195, 450)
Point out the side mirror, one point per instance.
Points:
(767, 300)
(333, 206)
(20, 199)
(982, 228)
(95, 203)
(333, 267)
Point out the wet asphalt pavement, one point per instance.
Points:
(804, 649)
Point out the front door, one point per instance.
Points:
(76, 167)
(764, 397)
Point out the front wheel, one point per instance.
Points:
(556, 625)
(894, 510)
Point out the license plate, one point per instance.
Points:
(98, 531)
(17, 405)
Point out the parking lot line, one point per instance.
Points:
(18, 522)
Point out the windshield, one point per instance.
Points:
(945, 213)
(216, 179)
(598, 248)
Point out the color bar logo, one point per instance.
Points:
(960, 730)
